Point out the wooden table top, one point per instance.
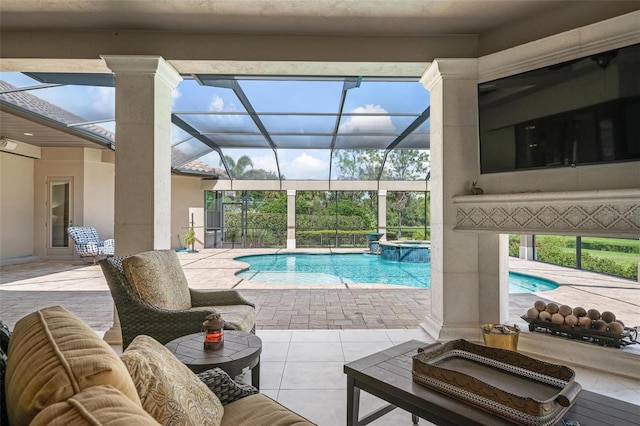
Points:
(388, 375)
(240, 349)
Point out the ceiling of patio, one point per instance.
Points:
(380, 17)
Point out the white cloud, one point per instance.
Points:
(217, 104)
(103, 101)
(175, 95)
(264, 162)
(306, 166)
(369, 124)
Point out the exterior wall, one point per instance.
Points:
(99, 181)
(16, 206)
(186, 194)
(93, 193)
(56, 162)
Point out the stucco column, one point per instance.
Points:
(291, 218)
(526, 247)
(460, 261)
(382, 213)
(143, 157)
(143, 152)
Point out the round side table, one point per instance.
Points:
(240, 350)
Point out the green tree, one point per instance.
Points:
(404, 164)
(238, 168)
(349, 208)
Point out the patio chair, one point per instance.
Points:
(152, 297)
(88, 243)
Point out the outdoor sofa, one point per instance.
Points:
(60, 372)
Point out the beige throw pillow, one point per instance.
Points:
(99, 405)
(158, 278)
(169, 391)
(53, 355)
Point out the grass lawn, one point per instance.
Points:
(620, 258)
(621, 251)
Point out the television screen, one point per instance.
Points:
(583, 111)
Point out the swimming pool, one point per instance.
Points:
(310, 269)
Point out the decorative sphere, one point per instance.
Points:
(565, 310)
(619, 321)
(545, 316)
(608, 317)
(571, 320)
(594, 314)
(540, 305)
(579, 311)
(552, 308)
(615, 327)
(584, 322)
(533, 313)
(600, 325)
(557, 318)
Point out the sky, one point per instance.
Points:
(218, 113)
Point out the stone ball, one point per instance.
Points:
(545, 316)
(579, 311)
(600, 325)
(594, 314)
(533, 313)
(565, 310)
(619, 321)
(615, 327)
(584, 322)
(571, 320)
(540, 305)
(552, 308)
(557, 318)
(608, 317)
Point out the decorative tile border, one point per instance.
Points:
(615, 212)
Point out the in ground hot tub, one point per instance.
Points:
(406, 251)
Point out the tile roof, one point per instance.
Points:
(25, 100)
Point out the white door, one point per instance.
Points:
(59, 216)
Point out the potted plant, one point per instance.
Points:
(190, 239)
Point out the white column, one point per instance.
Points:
(143, 157)
(382, 213)
(493, 262)
(465, 268)
(526, 247)
(291, 218)
(143, 152)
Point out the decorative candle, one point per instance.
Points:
(213, 332)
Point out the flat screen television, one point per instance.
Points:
(583, 111)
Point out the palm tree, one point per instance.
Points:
(238, 168)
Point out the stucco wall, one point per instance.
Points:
(185, 193)
(16, 206)
(99, 182)
(56, 163)
(92, 193)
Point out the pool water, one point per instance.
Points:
(303, 269)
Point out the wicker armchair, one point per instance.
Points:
(137, 316)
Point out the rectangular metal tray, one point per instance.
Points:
(516, 387)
